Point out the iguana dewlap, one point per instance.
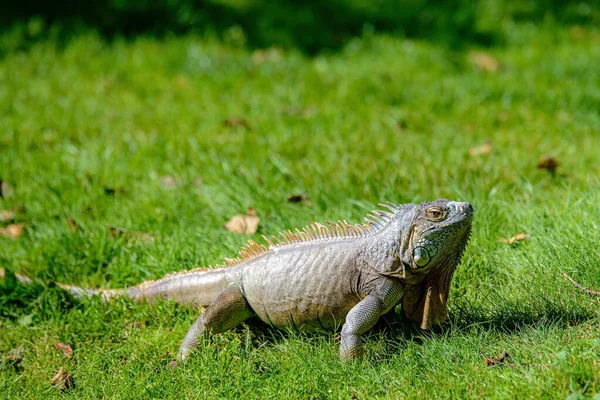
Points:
(327, 277)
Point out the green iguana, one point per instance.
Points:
(326, 277)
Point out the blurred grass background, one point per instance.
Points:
(310, 26)
(130, 132)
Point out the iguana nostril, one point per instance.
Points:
(466, 208)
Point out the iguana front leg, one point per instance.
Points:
(228, 310)
(360, 319)
(363, 317)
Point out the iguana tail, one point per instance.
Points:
(198, 287)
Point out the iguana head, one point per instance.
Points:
(437, 237)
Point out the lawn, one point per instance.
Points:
(121, 161)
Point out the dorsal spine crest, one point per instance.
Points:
(313, 233)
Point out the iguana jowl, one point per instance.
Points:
(325, 277)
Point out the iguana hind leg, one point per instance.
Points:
(228, 310)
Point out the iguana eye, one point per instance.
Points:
(435, 214)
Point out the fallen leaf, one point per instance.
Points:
(65, 348)
(401, 125)
(484, 61)
(2, 273)
(180, 82)
(136, 324)
(110, 191)
(299, 112)
(72, 224)
(502, 359)
(299, 198)
(14, 358)
(25, 320)
(272, 54)
(169, 182)
(62, 380)
(6, 190)
(7, 215)
(516, 238)
(485, 148)
(251, 211)
(504, 356)
(296, 198)
(173, 365)
(577, 32)
(12, 231)
(237, 122)
(548, 163)
(130, 235)
(246, 224)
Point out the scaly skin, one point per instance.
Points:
(326, 278)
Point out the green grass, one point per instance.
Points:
(88, 131)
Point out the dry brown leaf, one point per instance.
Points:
(66, 349)
(6, 190)
(180, 82)
(296, 198)
(299, 112)
(246, 224)
(136, 324)
(484, 61)
(272, 54)
(299, 198)
(62, 380)
(17, 354)
(2, 273)
(130, 235)
(502, 359)
(110, 191)
(72, 224)
(237, 122)
(577, 32)
(401, 125)
(548, 163)
(516, 238)
(485, 148)
(251, 211)
(15, 357)
(12, 231)
(7, 215)
(169, 182)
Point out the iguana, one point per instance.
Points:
(326, 277)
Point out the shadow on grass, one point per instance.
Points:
(24, 302)
(18, 301)
(510, 318)
(311, 26)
